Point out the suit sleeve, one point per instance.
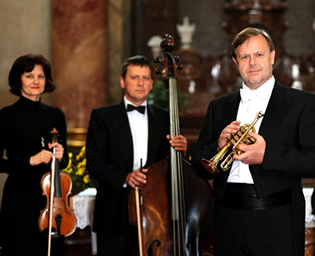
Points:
(292, 152)
(206, 146)
(102, 152)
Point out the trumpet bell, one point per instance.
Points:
(210, 166)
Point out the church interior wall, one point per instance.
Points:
(26, 28)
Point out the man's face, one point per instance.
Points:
(137, 84)
(254, 61)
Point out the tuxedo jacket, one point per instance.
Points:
(109, 150)
(288, 128)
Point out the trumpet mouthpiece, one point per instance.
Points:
(260, 114)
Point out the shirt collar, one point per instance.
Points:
(262, 92)
(126, 102)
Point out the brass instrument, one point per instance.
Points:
(240, 137)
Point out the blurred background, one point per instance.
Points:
(87, 41)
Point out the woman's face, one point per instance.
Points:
(33, 83)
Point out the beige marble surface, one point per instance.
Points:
(79, 58)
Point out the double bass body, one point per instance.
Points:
(157, 224)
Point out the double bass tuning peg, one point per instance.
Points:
(162, 71)
(180, 67)
(156, 60)
(158, 71)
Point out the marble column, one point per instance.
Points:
(79, 54)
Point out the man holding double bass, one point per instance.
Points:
(119, 138)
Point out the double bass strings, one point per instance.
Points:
(178, 195)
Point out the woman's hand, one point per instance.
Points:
(45, 156)
(59, 150)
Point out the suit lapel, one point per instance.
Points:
(230, 109)
(155, 124)
(122, 127)
(278, 107)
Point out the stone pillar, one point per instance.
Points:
(79, 54)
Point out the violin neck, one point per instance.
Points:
(57, 184)
(55, 166)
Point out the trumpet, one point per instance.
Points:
(240, 137)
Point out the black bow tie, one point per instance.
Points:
(130, 107)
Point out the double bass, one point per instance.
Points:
(173, 210)
(56, 219)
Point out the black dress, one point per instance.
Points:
(25, 130)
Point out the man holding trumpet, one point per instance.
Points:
(259, 206)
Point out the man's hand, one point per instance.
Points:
(227, 132)
(136, 177)
(178, 142)
(254, 153)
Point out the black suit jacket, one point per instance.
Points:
(288, 128)
(109, 152)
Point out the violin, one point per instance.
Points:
(56, 219)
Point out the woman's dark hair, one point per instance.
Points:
(26, 63)
(137, 60)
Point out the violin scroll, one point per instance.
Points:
(54, 134)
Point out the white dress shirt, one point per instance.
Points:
(139, 130)
(252, 102)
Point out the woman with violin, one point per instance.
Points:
(26, 154)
